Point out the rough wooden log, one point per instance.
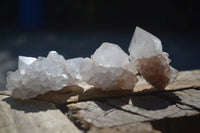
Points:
(137, 110)
(175, 109)
(113, 112)
(28, 116)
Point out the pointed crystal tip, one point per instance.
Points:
(146, 52)
(144, 44)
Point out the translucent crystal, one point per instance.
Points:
(111, 55)
(109, 68)
(38, 76)
(73, 66)
(146, 52)
(24, 62)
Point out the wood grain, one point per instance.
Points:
(135, 110)
(31, 116)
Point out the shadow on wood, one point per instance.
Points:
(28, 106)
(146, 102)
(150, 102)
(178, 125)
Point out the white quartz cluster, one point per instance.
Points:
(109, 68)
(38, 76)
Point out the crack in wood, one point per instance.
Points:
(191, 106)
(175, 97)
(128, 111)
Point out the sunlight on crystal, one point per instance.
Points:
(109, 68)
(146, 52)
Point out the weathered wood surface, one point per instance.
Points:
(135, 109)
(28, 116)
(176, 109)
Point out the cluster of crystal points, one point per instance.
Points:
(109, 68)
(146, 52)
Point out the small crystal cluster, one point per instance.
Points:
(146, 52)
(109, 68)
(37, 76)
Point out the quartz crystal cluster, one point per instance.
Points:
(146, 52)
(109, 68)
(38, 76)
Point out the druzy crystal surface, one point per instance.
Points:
(38, 76)
(146, 52)
(109, 68)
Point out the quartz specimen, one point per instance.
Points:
(111, 55)
(38, 76)
(109, 68)
(146, 52)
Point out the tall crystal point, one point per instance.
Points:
(146, 51)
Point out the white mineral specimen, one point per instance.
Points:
(109, 68)
(146, 52)
(111, 55)
(73, 67)
(38, 76)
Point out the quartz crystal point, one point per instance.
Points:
(146, 52)
(111, 55)
(109, 68)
